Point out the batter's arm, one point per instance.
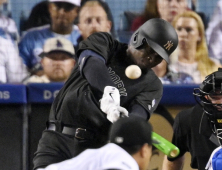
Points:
(138, 110)
(94, 69)
(93, 54)
(177, 164)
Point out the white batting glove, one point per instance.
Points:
(110, 104)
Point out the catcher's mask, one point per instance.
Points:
(209, 95)
(159, 35)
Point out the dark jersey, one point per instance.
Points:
(77, 104)
(192, 134)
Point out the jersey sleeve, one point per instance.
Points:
(150, 97)
(102, 43)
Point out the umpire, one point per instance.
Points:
(98, 91)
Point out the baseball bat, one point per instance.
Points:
(165, 146)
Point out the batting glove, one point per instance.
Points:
(110, 104)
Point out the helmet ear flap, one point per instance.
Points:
(135, 38)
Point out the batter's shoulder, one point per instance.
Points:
(152, 77)
(101, 35)
(101, 42)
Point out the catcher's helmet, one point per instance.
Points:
(159, 35)
(211, 86)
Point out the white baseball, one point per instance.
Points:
(133, 72)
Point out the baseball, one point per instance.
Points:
(133, 72)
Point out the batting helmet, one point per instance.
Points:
(160, 36)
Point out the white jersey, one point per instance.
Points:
(9, 26)
(110, 156)
(188, 68)
(12, 69)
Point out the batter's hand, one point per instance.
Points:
(110, 104)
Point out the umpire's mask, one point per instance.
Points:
(212, 87)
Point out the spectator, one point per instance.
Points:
(169, 77)
(126, 151)
(192, 55)
(198, 129)
(164, 9)
(108, 12)
(63, 14)
(214, 33)
(12, 69)
(8, 25)
(168, 9)
(93, 18)
(57, 61)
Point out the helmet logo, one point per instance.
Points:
(168, 45)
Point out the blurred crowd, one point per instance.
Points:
(198, 53)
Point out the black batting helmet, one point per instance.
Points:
(159, 35)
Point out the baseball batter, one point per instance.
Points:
(98, 92)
